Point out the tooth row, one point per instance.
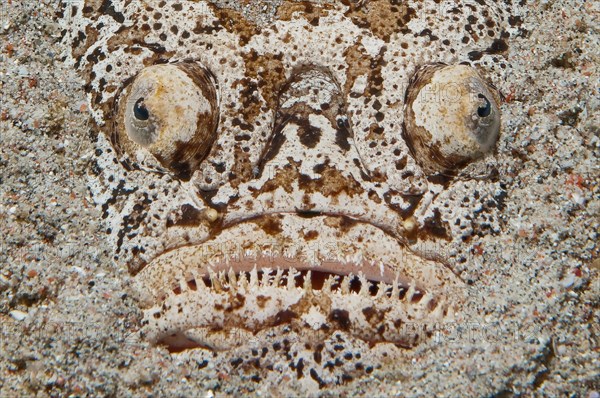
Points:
(220, 282)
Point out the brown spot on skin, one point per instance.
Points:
(373, 316)
(308, 9)
(343, 224)
(375, 132)
(264, 73)
(341, 317)
(262, 300)
(318, 357)
(375, 78)
(236, 302)
(242, 170)
(359, 63)
(413, 201)
(91, 7)
(309, 135)
(250, 100)
(80, 48)
(382, 17)
(346, 224)
(271, 224)
(285, 316)
(435, 227)
(311, 235)
(284, 178)
(374, 197)
(190, 217)
(331, 183)
(235, 22)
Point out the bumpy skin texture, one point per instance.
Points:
(308, 169)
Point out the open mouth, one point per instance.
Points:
(245, 281)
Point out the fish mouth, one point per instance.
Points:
(335, 274)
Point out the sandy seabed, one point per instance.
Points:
(67, 324)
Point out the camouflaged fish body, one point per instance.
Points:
(254, 177)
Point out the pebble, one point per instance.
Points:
(18, 315)
(572, 280)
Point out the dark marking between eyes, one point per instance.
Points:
(272, 148)
(308, 134)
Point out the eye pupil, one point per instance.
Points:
(486, 109)
(139, 110)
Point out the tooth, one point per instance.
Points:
(232, 278)
(410, 293)
(200, 285)
(364, 285)
(183, 284)
(254, 277)
(277, 278)
(395, 287)
(438, 311)
(308, 281)
(223, 279)
(345, 284)
(291, 282)
(425, 299)
(243, 281)
(266, 277)
(215, 281)
(382, 291)
(328, 282)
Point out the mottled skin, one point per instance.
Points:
(309, 170)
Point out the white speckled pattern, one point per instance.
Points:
(309, 169)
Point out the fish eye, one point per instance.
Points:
(139, 110)
(486, 109)
(170, 111)
(451, 117)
